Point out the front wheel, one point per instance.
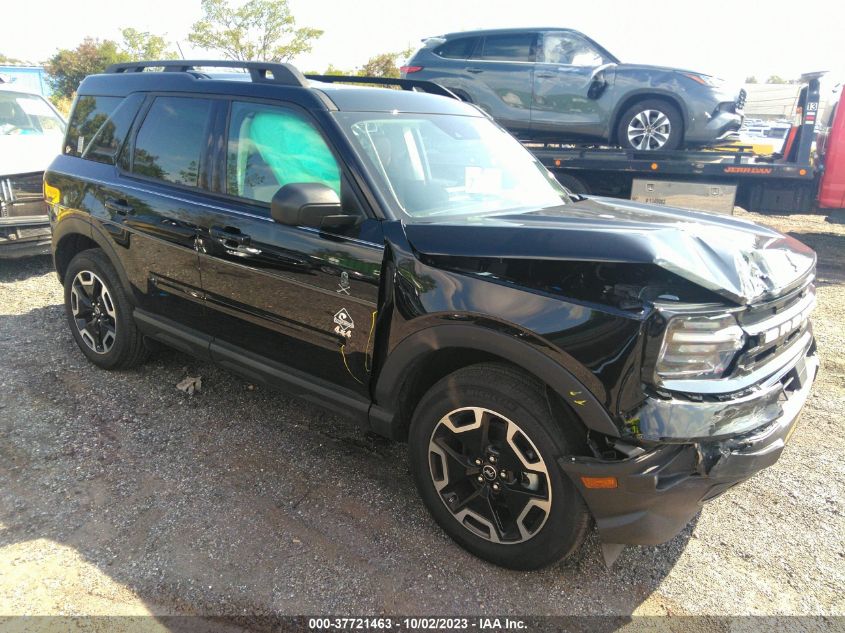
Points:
(484, 448)
(651, 125)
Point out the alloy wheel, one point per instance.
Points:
(93, 311)
(490, 475)
(649, 129)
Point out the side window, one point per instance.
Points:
(568, 48)
(89, 114)
(171, 140)
(459, 48)
(510, 47)
(270, 147)
(108, 139)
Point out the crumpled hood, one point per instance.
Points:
(26, 153)
(739, 260)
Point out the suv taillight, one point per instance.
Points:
(410, 69)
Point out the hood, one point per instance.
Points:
(660, 69)
(26, 153)
(738, 260)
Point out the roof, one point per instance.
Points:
(307, 93)
(522, 29)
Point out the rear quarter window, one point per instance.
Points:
(89, 114)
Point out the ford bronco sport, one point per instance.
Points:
(551, 359)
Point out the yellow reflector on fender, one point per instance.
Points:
(52, 194)
(600, 482)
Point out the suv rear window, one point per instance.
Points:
(171, 140)
(89, 114)
(459, 48)
(512, 47)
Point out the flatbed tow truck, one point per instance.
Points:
(791, 181)
(808, 174)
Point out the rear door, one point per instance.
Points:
(562, 79)
(295, 299)
(502, 66)
(151, 208)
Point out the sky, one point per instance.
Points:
(726, 38)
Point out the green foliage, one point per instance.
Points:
(384, 64)
(143, 45)
(777, 79)
(9, 60)
(262, 30)
(68, 67)
(334, 70)
(751, 80)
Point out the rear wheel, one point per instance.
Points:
(484, 448)
(652, 124)
(99, 313)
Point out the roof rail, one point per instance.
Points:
(405, 84)
(265, 72)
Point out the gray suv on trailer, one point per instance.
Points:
(558, 84)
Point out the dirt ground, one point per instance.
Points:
(120, 494)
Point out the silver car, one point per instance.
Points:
(558, 84)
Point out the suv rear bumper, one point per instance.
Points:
(659, 491)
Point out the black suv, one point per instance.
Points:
(398, 257)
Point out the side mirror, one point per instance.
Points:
(309, 204)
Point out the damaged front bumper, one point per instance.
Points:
(659, 490)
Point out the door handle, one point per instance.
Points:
(475, 71)
(119, 206)
(546, 75)
(229, 237)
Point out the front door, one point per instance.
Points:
(298, 298)
(562, 105)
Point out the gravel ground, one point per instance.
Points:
(120, 494)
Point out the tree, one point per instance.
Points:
(140, 45)
(261, 30)
(68, 67)
(9, 60)
(751, 80)
(384, 64)
(777, 79)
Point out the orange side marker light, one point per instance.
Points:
(600, 482)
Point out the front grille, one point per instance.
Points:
(774, 328)
(22, 195)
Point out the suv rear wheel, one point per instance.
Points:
(99, 314)
(650, 125)
(484, 448)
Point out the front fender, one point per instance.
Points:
(518, 347)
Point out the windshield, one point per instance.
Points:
(431, 165)
(28, 114)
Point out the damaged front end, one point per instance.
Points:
(696, 434)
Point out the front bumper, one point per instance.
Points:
(659, 491)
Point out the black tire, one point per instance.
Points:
(575, 185)
(124, 347)
(508, 398)
(661, 107)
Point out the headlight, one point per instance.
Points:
(699, 346)
(704, 80)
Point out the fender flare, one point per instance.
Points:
(82, 225)
(416, 346)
